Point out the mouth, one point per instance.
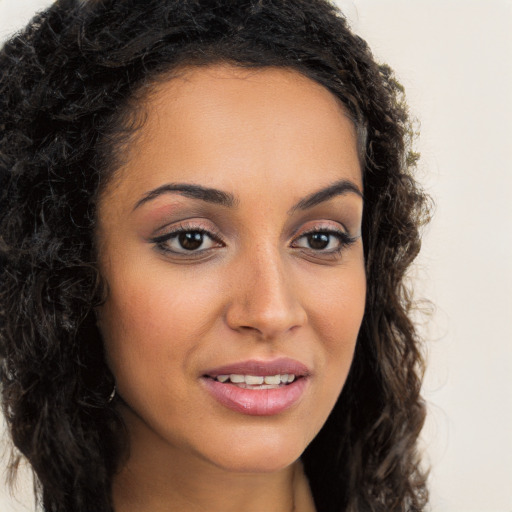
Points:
(258, 388)
(256, 381)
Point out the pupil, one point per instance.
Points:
(318, 240)
(191, 240)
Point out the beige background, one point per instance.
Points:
(455, 59)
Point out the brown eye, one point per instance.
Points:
(185, 241)
(318, 241)
(325, 241)
(191, 240)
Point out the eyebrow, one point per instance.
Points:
(216, 196)
(210, 195)
(337, 188)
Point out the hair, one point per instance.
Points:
(70, 84)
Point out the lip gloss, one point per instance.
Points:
(256, 402)
(252, 400)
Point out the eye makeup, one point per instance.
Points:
(188, 239)
(190, 230)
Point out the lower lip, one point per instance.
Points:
(254, 402)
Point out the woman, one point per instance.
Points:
(207, 214)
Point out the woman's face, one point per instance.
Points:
(231, 245)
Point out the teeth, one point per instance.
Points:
(273, 379)
(257, 380)
(253, 380)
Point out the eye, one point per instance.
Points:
(185, 240)
(323, 240)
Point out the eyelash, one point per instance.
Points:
(344, 240)
(161, 241)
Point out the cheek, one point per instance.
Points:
(339, 306)
(337, 317)
(151, 321)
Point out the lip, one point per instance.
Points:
(261, 367)
(258, 402)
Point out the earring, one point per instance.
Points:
(112, 395)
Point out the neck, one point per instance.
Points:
(203, 490)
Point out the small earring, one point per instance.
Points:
(112, 395)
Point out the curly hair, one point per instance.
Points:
(69, 85)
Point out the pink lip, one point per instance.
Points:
(254, 402)
(261, 367)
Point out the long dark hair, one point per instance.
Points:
(68, 104)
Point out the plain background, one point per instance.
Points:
(454, 58)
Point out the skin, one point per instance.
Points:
(270, 138)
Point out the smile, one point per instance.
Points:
(257, 381)
(258, 388)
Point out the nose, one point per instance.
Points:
(264, 299)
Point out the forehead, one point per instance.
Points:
(212, 125)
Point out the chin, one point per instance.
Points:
(258, 453)
(257, 463)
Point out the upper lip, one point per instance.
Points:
(261, 367)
